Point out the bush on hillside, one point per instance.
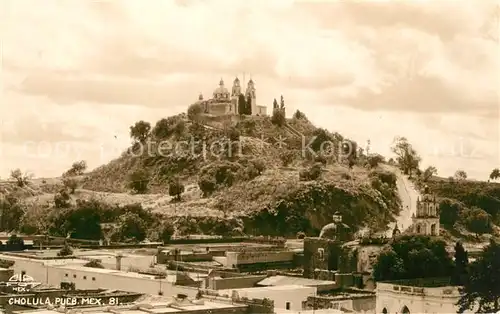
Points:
(312, 173)
(286, 157)
(22, 179)
(194, 112)
(176, 188)
(166, 127)
(62, 199)
(71, 184)
(77, 169)
(476, 220)
(278, 118)
(140, 131)
(138, 181)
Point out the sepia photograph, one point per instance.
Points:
(249, 157)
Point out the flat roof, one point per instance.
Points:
(270, 288)
(289, 280)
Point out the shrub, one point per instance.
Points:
(194, 111)
(278, 118)
(176, 188)
(94, 264)
(286, 157)
(313, 173)
(66, 250)
(138, 181)
(71, 184)
(476, 220)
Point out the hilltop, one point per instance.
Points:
(270, 186)
(253, 175)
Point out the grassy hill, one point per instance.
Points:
(270, 186)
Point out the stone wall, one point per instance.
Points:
(233, 282)
(241, 258)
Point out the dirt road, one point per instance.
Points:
(408, 195)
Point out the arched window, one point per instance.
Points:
(433, 229)
(405, 310)
(384, 311)
(419, 229)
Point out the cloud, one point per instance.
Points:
(90, 69)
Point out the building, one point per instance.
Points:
(224, 102)
(426, 220)
(290, 297)
(174, 305)
(417, 296)
(71, 271)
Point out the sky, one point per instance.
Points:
(76, 74)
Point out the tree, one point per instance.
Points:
(449, 212)
(166, 231)
(62, 199)
(21, 178)
(194, 112)
(476, 220)
(407, 157)
(278, 118)
(138, 181)
(482, 289)
(286, 157)
(82, 221)
(461, 261)
(175, 188)
(140, 131)
(132, 227)
(415, 256)
(460, 175)
(374, 160)
(389, 266)
(242, 105)
(164, 128)
(15, 243)
(71, 184)
(207, 185)
(428, 173)
(495, 174)
(11, 211)
(77, 169)
(299, 115)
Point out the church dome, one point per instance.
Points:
(221, 90)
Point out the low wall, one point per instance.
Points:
(233, 283)
(241, 258)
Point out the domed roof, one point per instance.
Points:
(221, 89)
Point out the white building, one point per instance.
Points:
(289, 297)
(405, 299)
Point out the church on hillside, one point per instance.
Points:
(235, 102)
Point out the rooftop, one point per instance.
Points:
(422, 282)
(288, 280)
(148, 307)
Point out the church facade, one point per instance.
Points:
(426, 220)
(235, 102)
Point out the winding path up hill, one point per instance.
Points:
(408, 195)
